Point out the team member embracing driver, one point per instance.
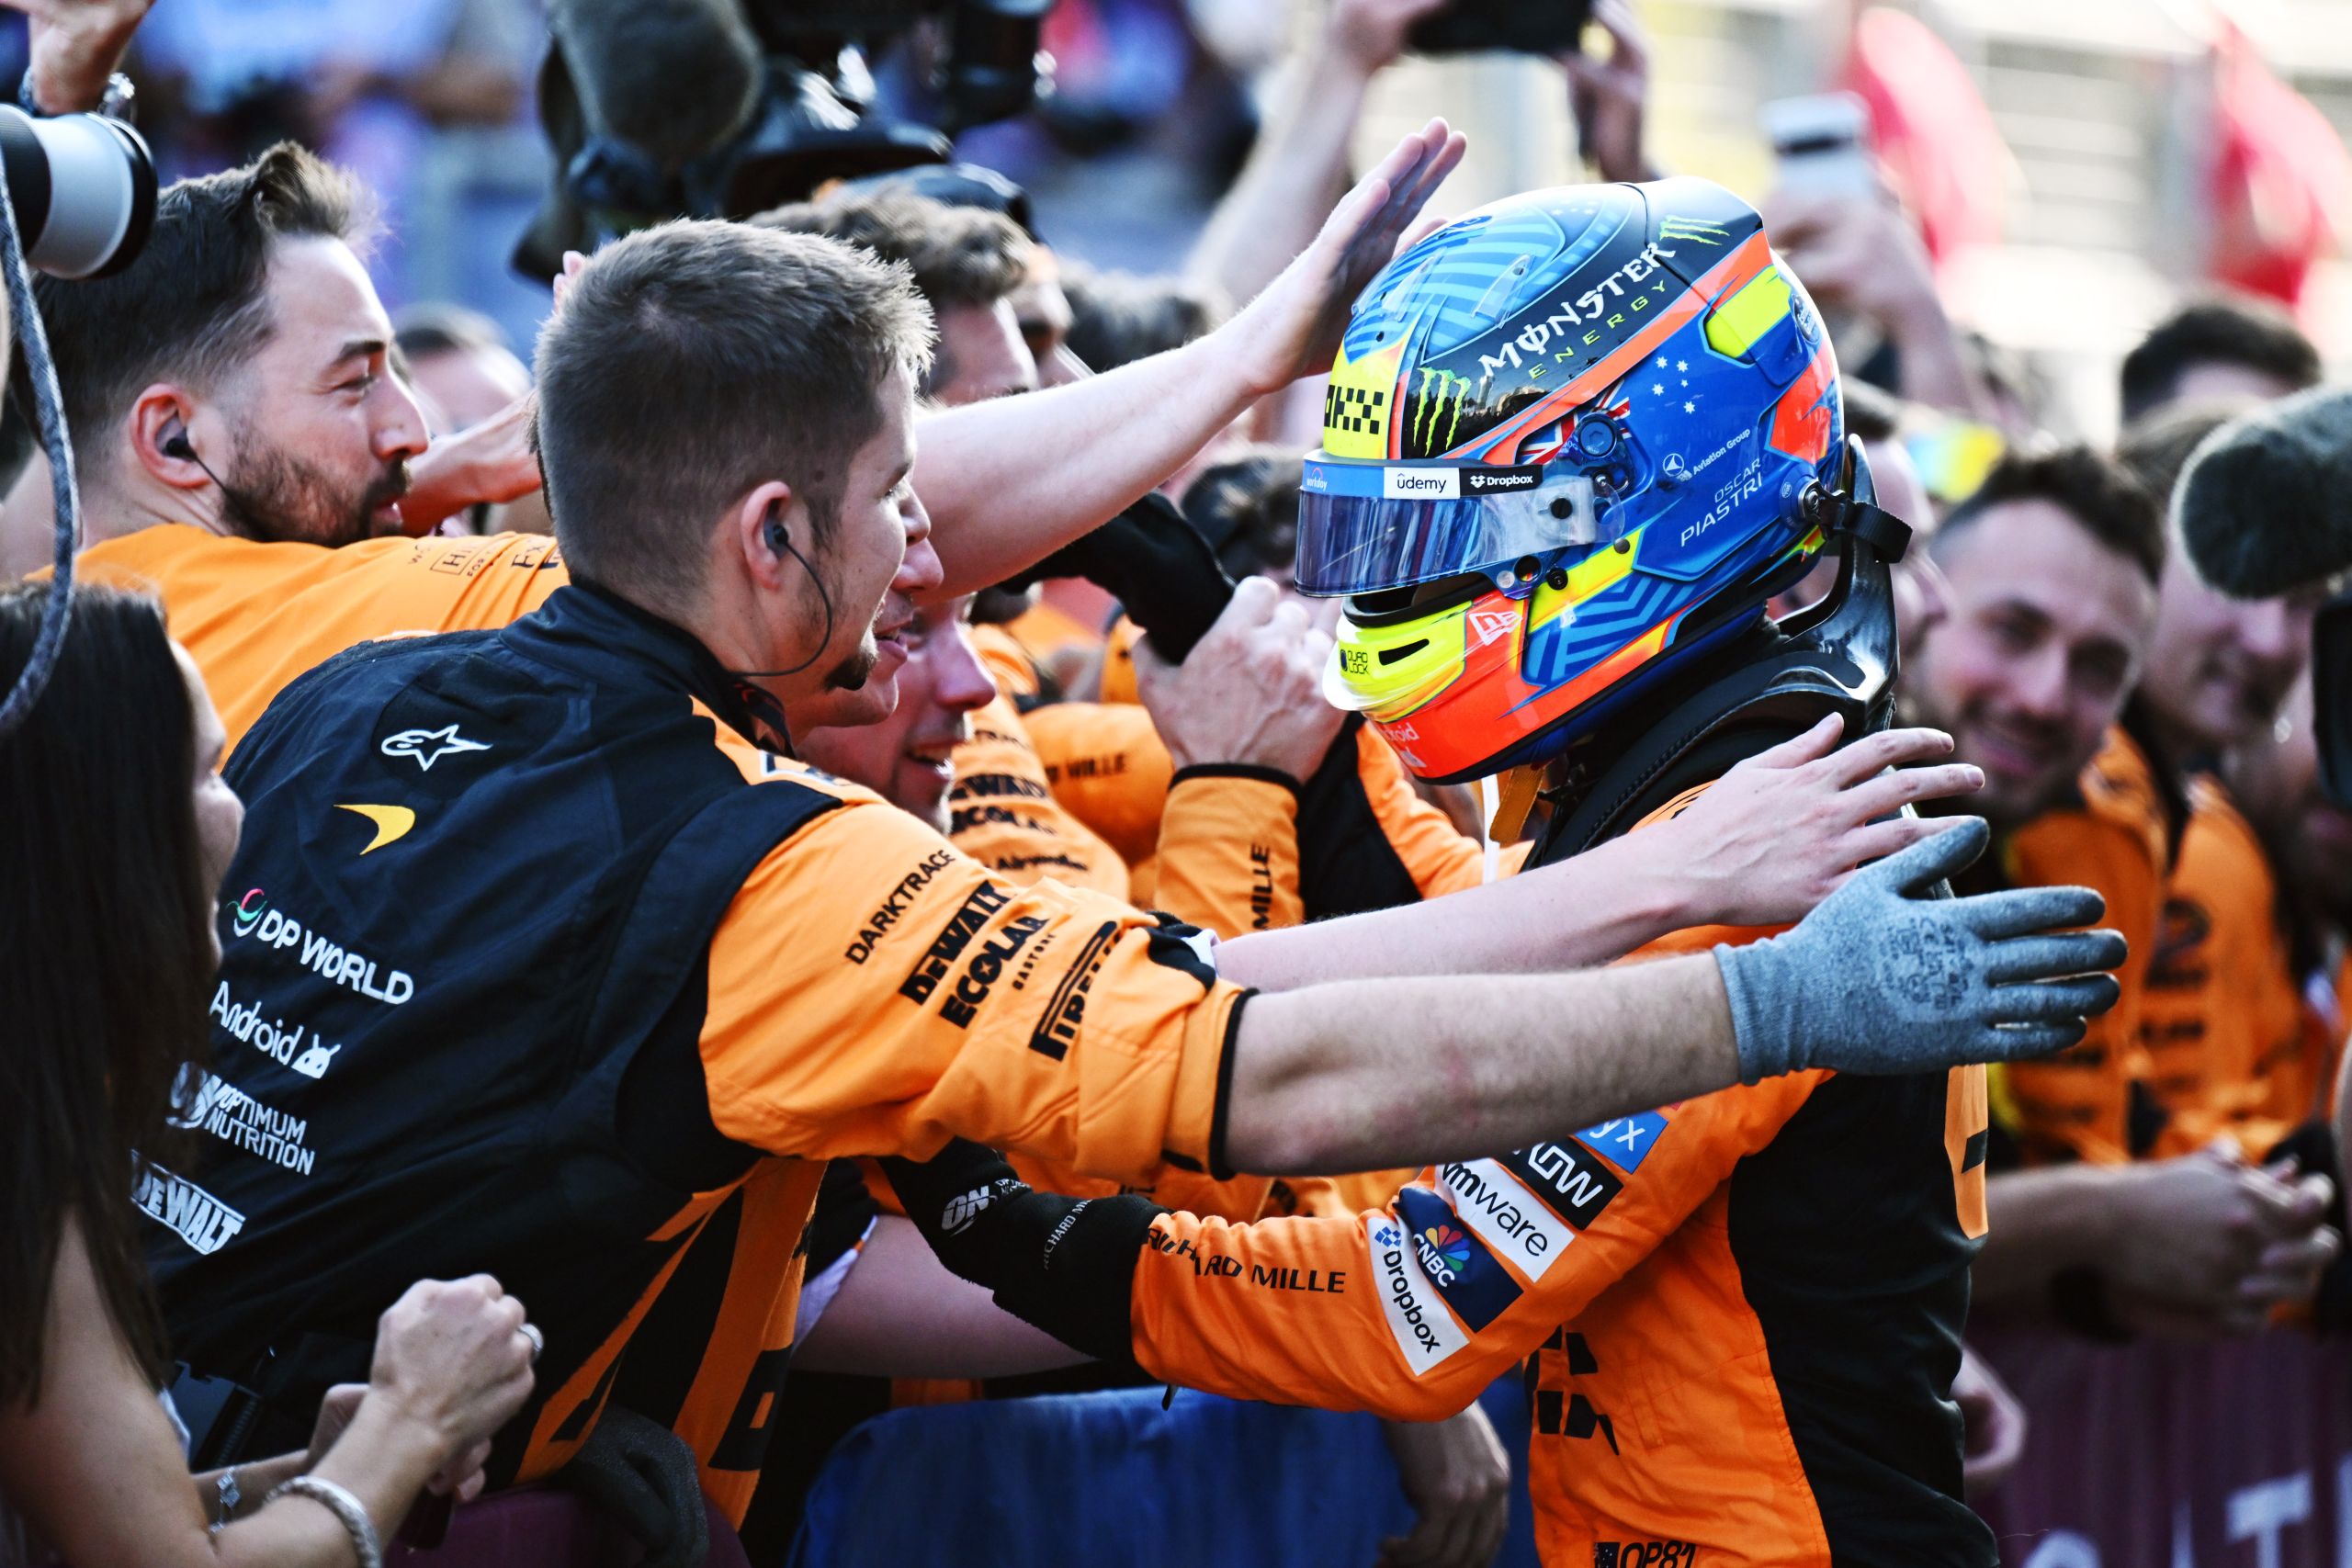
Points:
(701, 986)
(1574, 442)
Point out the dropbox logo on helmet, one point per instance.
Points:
(1490, 481)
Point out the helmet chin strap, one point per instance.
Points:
(1506, 798)
(1837, 656)
(1490, 852)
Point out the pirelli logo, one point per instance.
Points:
(970, 919)
(1066, 1012)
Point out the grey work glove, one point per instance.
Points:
(642, 1475)
(1877, 980)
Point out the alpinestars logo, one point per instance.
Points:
(427, 747)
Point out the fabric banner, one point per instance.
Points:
(543, 1526)
(2235, 1454)
(1093, 1478)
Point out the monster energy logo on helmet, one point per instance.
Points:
(1695, 229)
(1438, 399)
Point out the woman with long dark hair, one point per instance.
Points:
(115, 829)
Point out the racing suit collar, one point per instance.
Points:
(598, 615)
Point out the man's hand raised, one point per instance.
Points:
(1292, 328)
(1785, 828)
(1250, 691)
(76, 45)
(492, 461)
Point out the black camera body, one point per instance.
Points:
(807, 114)
(991, 69)
(2331, 697)
(1524, 27)
(83, 189)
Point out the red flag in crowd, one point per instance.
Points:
(1935, 137)
(2280, 180)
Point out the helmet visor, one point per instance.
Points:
(1365, 528)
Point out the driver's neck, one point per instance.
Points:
(111, 511)
(732, 621)
(730, 630)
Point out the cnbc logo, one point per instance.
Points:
(1444, 1252)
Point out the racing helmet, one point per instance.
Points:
(1568, 449)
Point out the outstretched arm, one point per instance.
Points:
(1008, 482)
(1319, 1073)
(1874, 980)
(1300, 159)
(1068, 1026)
(1769, 841)
(1356, 1311)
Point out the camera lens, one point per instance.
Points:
(84, 188)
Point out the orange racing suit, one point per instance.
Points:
(1743, 1312)
(2089, 1101)
(1744, 1309)
(254, 615)
(860, 988)
(2223, 1021)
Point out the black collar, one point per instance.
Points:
(591, 614)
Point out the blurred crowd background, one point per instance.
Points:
(2071, 167)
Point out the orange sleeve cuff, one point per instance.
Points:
(1197, 1106)
(1228, 852)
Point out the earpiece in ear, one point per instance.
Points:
(780, 545)
(177, 446)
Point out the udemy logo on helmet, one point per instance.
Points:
(1564, 451)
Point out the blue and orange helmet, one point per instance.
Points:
(1566, 450)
